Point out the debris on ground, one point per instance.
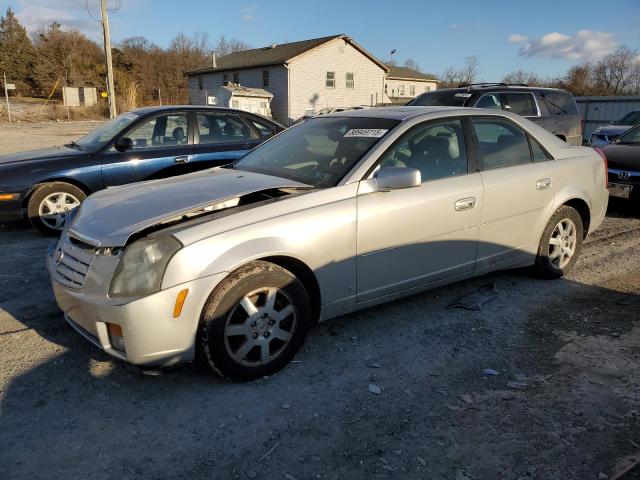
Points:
(476, 300)
(375, 389)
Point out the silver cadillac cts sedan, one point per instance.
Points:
(231, 266)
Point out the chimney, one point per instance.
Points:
(213, 60)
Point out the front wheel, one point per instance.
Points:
(50, 205)
(254, 323)
(560, 244)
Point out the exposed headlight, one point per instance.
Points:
(142, 266)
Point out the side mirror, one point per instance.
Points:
(123, 144)
(394, 178)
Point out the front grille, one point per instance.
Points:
(72, 262)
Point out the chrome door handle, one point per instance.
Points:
(181, 159)
(465, 204)
(543, 184)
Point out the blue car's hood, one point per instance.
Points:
(43, 154)
(610, 130)
(111, 216)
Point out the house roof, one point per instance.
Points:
(277, 55)
(404, 73)
(237, 89)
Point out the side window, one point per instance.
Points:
(490, 100)
(539, 154)
(265, 130)
(436, 149)
(502, 144)
(162, 131)
(520, 103)
(223, 128)
(330, 81)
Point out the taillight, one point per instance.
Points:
(606, 166)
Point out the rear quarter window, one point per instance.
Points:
(559, 103)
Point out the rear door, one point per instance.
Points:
(161, 148)
(518, 177)
(221, 138)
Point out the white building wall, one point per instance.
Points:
(252, 77)
(393, 88)
(308, 72)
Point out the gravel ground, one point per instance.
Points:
(563, 405)
(16, 137)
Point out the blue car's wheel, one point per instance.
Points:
(50, 205)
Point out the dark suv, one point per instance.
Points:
(551, 108)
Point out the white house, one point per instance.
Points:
(308, 76)
(402, 84)
(249, 99)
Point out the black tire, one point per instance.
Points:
(214, 346)
(40, 194)
(545, 266)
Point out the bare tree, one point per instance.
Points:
(522, 77)
(614, 74)
(224, 46)
(453, 77)
(412, 64)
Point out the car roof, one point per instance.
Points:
(398, 113)
(484, 87)
(171, 108)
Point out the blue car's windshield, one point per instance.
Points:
(103, 134)
(318, 152)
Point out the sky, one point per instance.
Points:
(543, 36)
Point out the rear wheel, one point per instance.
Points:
(254, 323)
(50, 205)
(560, 244)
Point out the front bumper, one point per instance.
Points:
(12, 209)
(152, 337)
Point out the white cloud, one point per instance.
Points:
(249, 13)
(454, 27)
(583, 45)
(517, 38)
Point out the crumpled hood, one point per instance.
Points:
(43, 154)
(612, 130)
(111, 216)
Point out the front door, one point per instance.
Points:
(161, 148)
(416, 236)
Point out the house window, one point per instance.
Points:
(200, 83)
(236, 78)
(385, 88)
(401, 90)
(349, 80)
(412, 90)
(331, 80)
(427, 88)
(265, 78)
(225, 78)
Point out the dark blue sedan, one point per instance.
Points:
(144, 144)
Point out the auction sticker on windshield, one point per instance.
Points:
(366, 132)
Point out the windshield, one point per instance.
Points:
(318, 152)
(632, 136)
(103, 134)
(451, 98)
(631, 118)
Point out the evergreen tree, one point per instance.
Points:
(16, 52)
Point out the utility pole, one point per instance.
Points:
(6, 96)
(107, 51)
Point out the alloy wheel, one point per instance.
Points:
(260, 326)
(562, 243)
